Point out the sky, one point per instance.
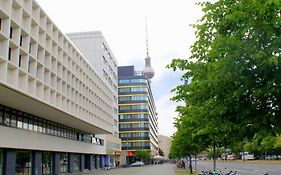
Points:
(122, 23)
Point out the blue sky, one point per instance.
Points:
(122, 23)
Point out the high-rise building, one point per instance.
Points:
(96, 50)
(53, 103)
(138, 125)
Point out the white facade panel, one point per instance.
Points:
(38, 62)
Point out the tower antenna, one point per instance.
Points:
(148, 70)
(146, 32)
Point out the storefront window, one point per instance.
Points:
(76, 162)
(46, 163)
(23, 162)
(99, 161)
(63, 162)
(94, 162)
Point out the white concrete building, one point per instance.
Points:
(96, 50)
(52, 101)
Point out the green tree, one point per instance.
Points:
(234, 93)
(142, 155)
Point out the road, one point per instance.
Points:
(242, 168)
(165, 169)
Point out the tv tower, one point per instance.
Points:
(148, 70)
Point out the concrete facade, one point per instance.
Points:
(53, 102)
(96, 50)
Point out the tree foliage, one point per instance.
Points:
(234, 68)
(142, 155)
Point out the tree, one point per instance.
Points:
(235, 89)
(142, 155)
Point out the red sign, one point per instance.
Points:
(130, 153)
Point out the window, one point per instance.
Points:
(30, 124)
(9, 54)
(25, 123)
(63, 162)
(124, 81)
(1, 117)
(13, 120)
(76, 162)
(46, 163)
(19, 122)
(21, 40)
(11, 32)
(19, 60)
(7, 119)
(0, 24)
(23, 162)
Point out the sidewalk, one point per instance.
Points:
(165, 169)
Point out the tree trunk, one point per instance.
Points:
(214, 157)
(190, 164)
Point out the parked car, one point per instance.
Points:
(138, 163)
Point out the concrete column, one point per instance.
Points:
(70, 162)
(82, 162)
(36, 163)
(9, 161)
(56, 163)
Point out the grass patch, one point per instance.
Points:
(181, 171)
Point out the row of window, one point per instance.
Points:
(133, 116)
(133, 144)
(134, 125)
(138, 80)
(24, 162)
(135, 134)
(14, 118)
(133, 107)
(133, 98)
(133, 89)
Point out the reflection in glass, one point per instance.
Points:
(1, 117)
(7, 119)
(13, 120)
(76, 162)
(19, 122)
(46, 163)
(23, 162)
(63, 162)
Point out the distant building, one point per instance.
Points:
(165, 145)
(53, 103)
(98, 53)
(138, 122)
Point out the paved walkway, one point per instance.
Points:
(165, 169)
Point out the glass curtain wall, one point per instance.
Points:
(46, 163)
(23, 162)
